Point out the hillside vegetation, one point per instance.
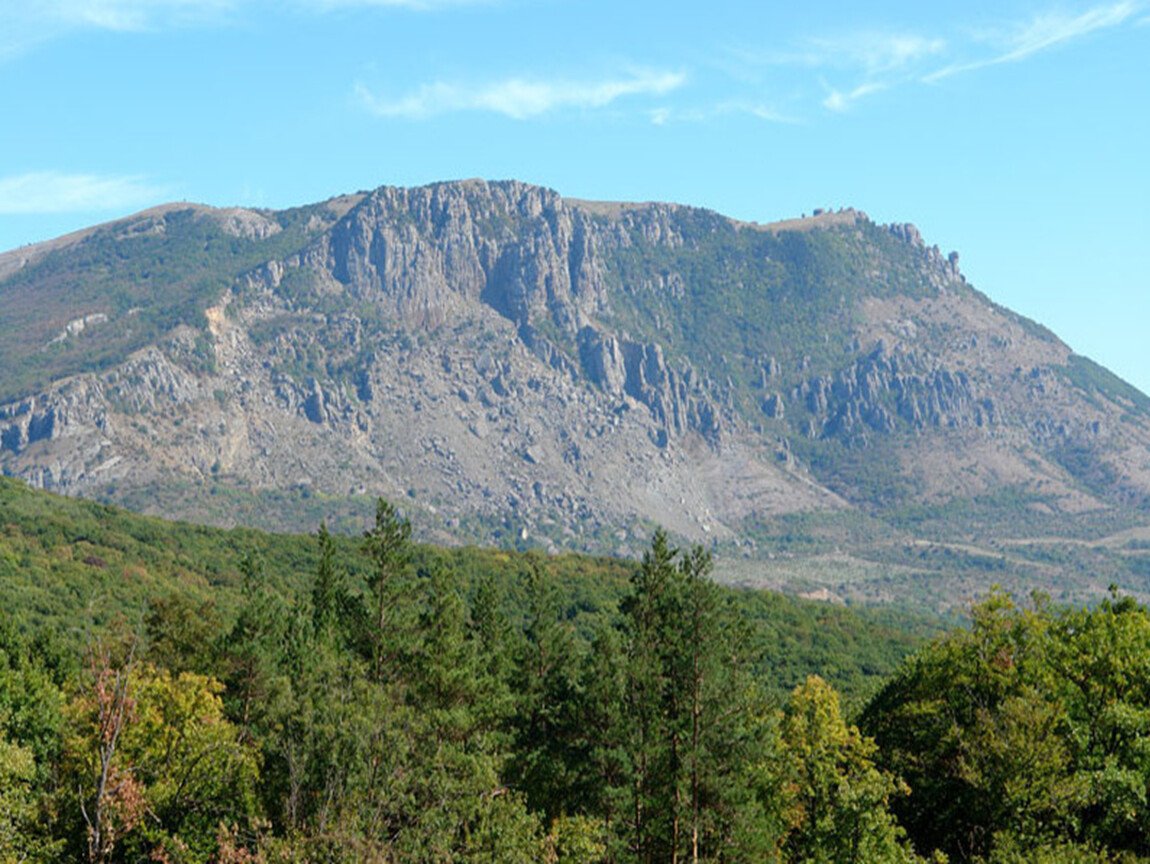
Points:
(176, 693)
(69, 565)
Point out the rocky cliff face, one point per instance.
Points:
(884, 392)
(427, 258)
(517, 366)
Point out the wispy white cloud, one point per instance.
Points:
(134, 15)
(874, 59)
(880, 53)
(120, 15)
(58, 192)
(665, 115)
(24, 24)
(1049, 30)
(520, 98)
(1042, 33)
(872, 52)
(840, 101)
(868, 61)
(764, 112)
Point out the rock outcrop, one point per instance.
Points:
(886, 390)
(515, 365)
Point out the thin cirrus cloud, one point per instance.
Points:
(879, 61)
(876, 60)
(520, 98)
(131, 15)
(121, 15)
(26, 25)
(872, 52)
(879, 53)
(1042, 33)
(43, 192)
(838, 100)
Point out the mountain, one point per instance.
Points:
(825, 400)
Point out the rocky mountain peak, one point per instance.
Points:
(520, 367)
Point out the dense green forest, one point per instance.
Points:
(173, 693)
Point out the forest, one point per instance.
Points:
(407, 707)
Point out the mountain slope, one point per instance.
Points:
(68, 566)
(528, 369)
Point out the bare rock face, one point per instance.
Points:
(512, 363)
(883, 391)
(428, 252)
(675, 398)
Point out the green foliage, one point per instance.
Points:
(1029, 730)
(840, 807)
(156, 763)
(512, 707)
(17, 804)
(65, 561)
(547, 738)
(517, 708)
(181, 635)
(388, 545)
(692, 720)
(30, 742)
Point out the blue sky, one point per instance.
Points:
(1014, 132)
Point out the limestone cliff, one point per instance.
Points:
(521, 367)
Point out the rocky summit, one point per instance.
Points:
(825, 400)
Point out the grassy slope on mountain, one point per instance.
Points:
(749, 295)
(66, 563)
(146, 275)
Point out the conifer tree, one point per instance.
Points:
(547, 758)
(388, 544)
(328, 588)
(689, 716)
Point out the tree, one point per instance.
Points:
(157, 763)
(494, 643)
(388, 544)
(195, 770)
(932, 723)
(181, 634)
(30, 740)
(456, 806)
(19, 838)
(1027, 733)
(1099, 662)
(261, 643)
(838, 797)
(652, 724)
(693, 721)
(110, 796)
(601, 721)
(547, 755)
(328, 591)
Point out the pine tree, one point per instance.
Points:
(547, 755)
(388, 544)
(328, 590)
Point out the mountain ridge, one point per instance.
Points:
(528, 369)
